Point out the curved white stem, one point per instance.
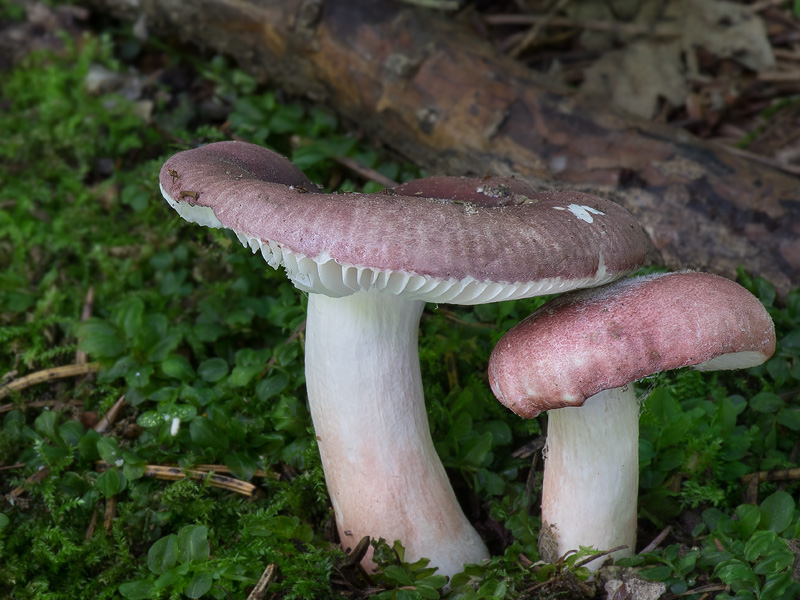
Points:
(591, 476)
(365, 393)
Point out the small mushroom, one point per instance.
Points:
(369, 263)
(578, 356)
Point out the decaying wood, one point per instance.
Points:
(432, 90)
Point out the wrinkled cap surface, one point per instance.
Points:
(443, 239)
(593, 340)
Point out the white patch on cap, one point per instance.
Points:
(584, 213)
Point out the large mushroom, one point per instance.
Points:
(581, 353)
(369, 263)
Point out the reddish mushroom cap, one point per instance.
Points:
(588, 341)
(499, 241)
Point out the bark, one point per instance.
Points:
(429, 88)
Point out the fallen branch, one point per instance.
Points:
(751, 481)
(48, 375)
(171, 473)
(432, 90)
(267, 577)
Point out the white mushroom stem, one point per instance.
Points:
(591, 476)
(365, 393)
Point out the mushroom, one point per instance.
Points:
(369, 263)
(580, 354)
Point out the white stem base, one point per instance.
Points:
(591, 476)
(365, 394)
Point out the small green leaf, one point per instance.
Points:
(241, 376)
(789, 418)
(87, 446)
(138, 376)
(777, 511)
(426, 591)
(108, 449)
(162, 348)
(136, 197)
(73, 484)
(737, 574)
(778, 585)
(193, 544)
(172, 577)
(185, 412)
(766, 402)
(163, 554)
(179, 367)
(748, 521)
(71, 432)
(199, 584)
(774, 562)
(434, 581)
(213, 369)
(111, 483)
(206, 435)
(138, 590)
(129, 316)
(660, 573)
(99, 339)
(476, 451)
(271, 386)
(285, 354)
(759, 544)
(46, 425)
(150, 418)
(241, 465)
(398, 574)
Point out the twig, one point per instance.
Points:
(534, 31)
(760, 159)
(703, 589)
(224, 469)
(763, 5)
(108, 419)
(170, 473)
(532, 447)
(437, 4)
(365, 172)
(452, 370)
(658, 539)
(529, 482)
(295, 334)
(786, 54)
(111, 512)
(451, 316)
(589, 559)
(15, 466)
(48, 375)
(92, 525)
(267, 577)
(771, 475)
(655, 31)
(4, 408)
(792, 76)
(40, 475)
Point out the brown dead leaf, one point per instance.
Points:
(725, 29)
(639, 77)
(648, 71)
